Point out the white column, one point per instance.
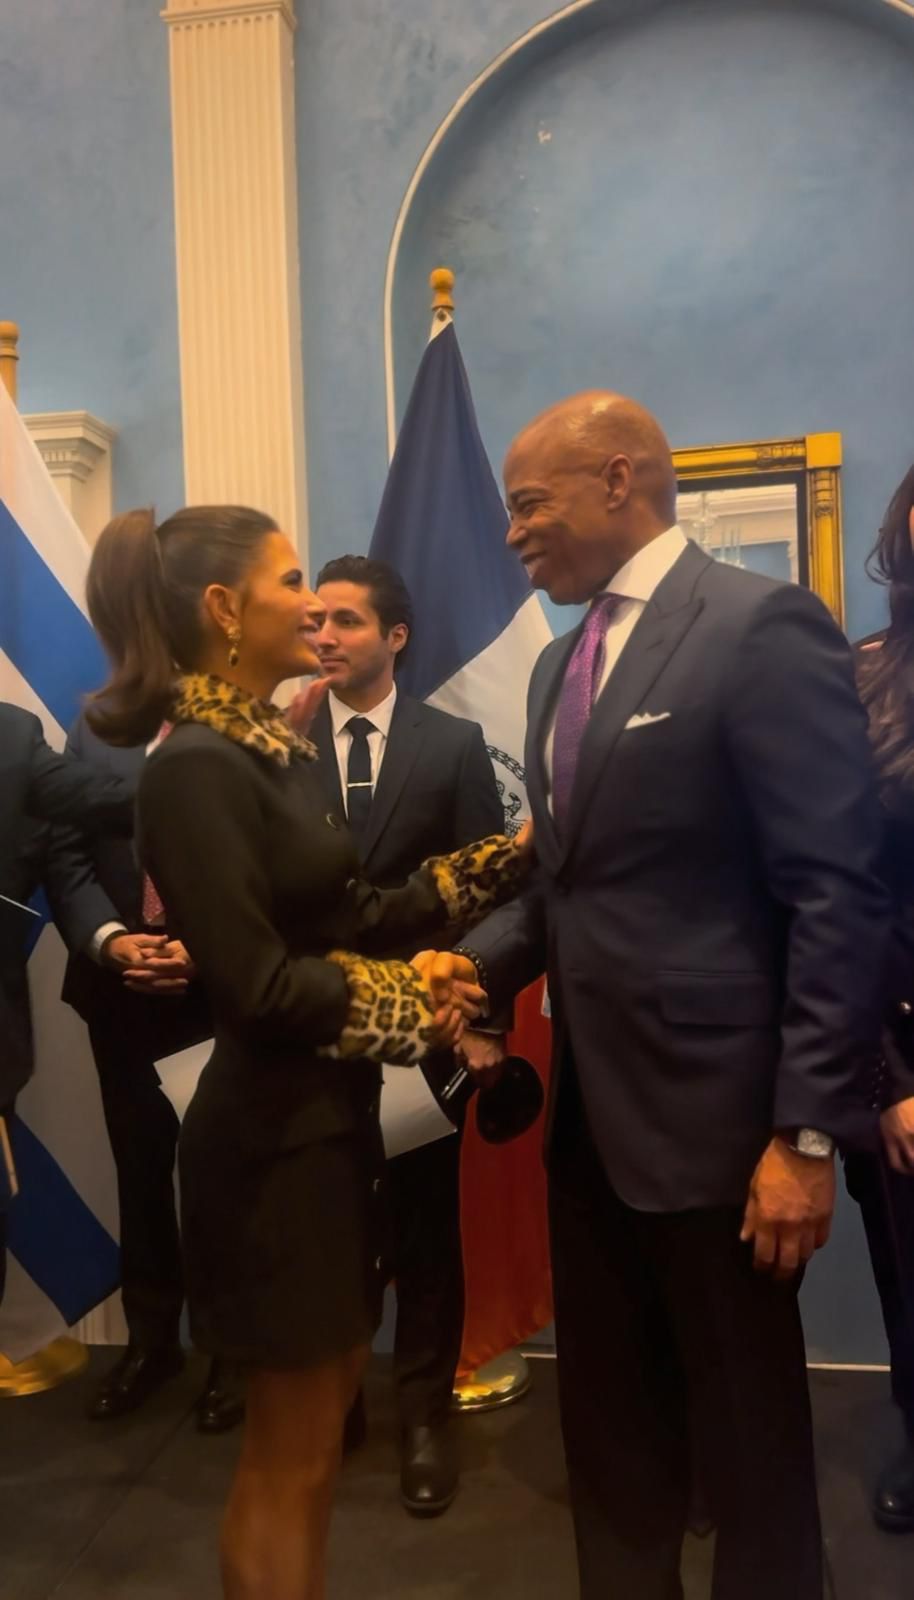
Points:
(76, 449)
(236, 219)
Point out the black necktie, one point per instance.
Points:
(358, 777)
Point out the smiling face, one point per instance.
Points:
(274, 611)
(559, 525)
(587, 484)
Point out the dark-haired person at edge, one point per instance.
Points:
(280, 1153)
(883, 1184)
(134, 987)
(708, 907)
(417, 782)
(37, 786)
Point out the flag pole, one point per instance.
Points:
(507, 1377)
(63, 1358)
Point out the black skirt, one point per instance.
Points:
(286, 1250)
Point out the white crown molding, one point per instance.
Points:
(76, 448)
(71, 442)
(193, 13)
(236, 237)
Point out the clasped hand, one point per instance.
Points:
(150, 963)
(455, 995)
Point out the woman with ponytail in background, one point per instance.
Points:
(280, 1156)
(884, 1184)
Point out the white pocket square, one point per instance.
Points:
(645, 718)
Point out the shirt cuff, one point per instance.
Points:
(101, 936)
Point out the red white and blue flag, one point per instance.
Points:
(478, 631)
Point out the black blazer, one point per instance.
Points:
(36, 786)
(896, 864)
(436, 792)
(260, 879)
(713, 921)
(94, 878)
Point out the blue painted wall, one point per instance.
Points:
(87, 248)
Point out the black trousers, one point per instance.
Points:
(886, 1201)
(424, 1187)
(129, 1033)
(672, 1348)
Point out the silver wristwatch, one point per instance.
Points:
(809, 1142)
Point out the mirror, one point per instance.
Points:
(772, 506)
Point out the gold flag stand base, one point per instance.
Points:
(498, 1383)
(45, 1370)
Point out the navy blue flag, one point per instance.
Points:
(442, 524)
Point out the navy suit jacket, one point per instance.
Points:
(712, 919)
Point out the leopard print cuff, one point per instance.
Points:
(476, 879)
(389, 1018)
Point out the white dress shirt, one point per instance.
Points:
(380, 716)
(635, 583)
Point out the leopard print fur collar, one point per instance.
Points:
(258, 725)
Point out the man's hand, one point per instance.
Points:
(790, 1207)
(456, 996)
(303, 709)
(167, 972)
(897, 1126)
(126, 950)
(483, 1055)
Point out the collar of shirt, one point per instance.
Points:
(648, 567)
(380, 715)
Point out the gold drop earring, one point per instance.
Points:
(234, 639)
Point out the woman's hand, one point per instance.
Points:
(524, 840)
(456, 996)
(897, 1126)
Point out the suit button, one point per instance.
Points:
(378, 1263)
(352, 883)
(333, 821)
(376, 1186)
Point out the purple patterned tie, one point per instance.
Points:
(579, 690)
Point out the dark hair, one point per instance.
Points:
(886, 675)
(144, 590)
(390, 597)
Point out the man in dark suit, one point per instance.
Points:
(134, 989)
(708, 909)
(414, 782)
(37, 786)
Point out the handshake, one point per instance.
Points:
(455, 996)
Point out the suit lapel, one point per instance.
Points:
(662, 626)
(328, 767)
(544, 693)
(403, 745)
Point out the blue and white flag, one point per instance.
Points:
(64, 1257)
(442, 523)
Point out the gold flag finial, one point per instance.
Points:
(9, 355)
(441, 282)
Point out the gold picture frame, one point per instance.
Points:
(815, 463)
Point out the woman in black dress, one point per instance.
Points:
(884, 1184)
(280, 1157)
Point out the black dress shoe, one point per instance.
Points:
(893, 1504)
(133, 1379)
(355, 1428)
(429, 1475)
(219, 1407)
